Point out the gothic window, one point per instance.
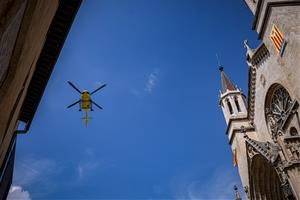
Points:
(293, 131)
(229, 107)
(237, 104)
(278, 106)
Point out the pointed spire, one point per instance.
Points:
(226, 82)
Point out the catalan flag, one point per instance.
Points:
(235, 162)
(278, 39)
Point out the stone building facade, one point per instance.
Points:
(32, 33)
(263, 129)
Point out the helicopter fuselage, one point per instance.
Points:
(85, 101)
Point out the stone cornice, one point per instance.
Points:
(291, 164)
(288, 137)
(264, 12)
(222, 96)
(240, 130)
(260, 54)
(56, 37)
(231, 120)
(251, 93)
(257, 14)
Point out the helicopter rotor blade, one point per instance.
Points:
(73, 104)
(73, 86)
(97, 105)
(102, 86)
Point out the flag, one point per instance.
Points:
(278, 39)
(235, 163)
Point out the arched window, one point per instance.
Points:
(293, 131)
(278, 102)
(229, 107)
(237, 104)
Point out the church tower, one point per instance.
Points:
(234, 107)
(232, 100)
(264, 132)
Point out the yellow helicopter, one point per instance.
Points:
(85, 102)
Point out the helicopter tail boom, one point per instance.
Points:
(86, 119)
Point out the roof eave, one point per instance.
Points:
(56, 37)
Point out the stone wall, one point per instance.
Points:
(277, 69)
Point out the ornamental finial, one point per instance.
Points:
(249, 52)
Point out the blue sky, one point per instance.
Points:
(161, 134)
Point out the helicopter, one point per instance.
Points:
(85, 102)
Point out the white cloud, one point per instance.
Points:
(31, 170)
(35, 172)
(17, 193)
(218, 186)
(88, 164)
(152, 81)
(85, 168)
(135, 92)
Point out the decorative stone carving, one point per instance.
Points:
(262, 80)
(249, 53)
(287, 190)
(251, 152)
(294, 150)
(246, 189)
(271, 122)
(280, 108)
(271, 152)
(268, 150)
(243, 129)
